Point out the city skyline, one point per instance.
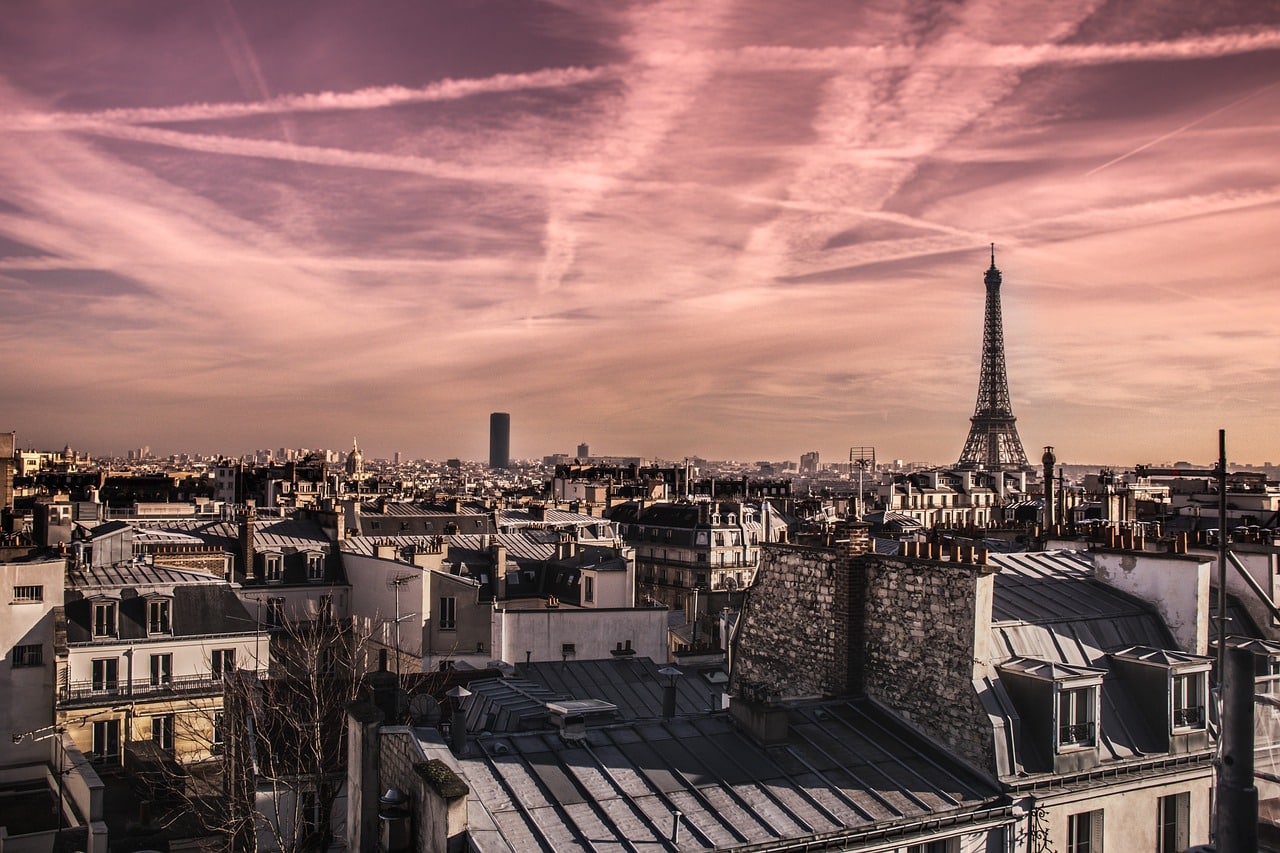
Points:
(730, 229)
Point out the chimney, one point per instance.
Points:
(364, 755)
(247, 549)
(498, 553)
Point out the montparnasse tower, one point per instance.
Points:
(993, 442)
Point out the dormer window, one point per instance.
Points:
(1076, 718)
(1059, 706)
(104, 619)
(1187, 693)
(158, 616)
(1172, 687)
(315, 567)
(274, 564)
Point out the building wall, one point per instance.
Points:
(540, 635)
(1130, 811)
(471, 637)
(27, 690)
(1177, 586)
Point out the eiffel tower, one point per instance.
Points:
(993, 442)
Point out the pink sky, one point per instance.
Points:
(732, 228)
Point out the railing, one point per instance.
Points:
(1080, 734)
(139, 687)
(1188, 717)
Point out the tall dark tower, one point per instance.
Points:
(993, 441)
(499, 440)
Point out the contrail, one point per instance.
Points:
(361, 99)
(1237, 102)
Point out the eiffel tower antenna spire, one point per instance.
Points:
(993, 441)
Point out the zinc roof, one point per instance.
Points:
(846, 769)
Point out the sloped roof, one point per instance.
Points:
(846, 770)
(1051, 618)
(630, 683)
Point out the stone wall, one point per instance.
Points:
(927, 622)
(911, 633)
(786, 643)
(795, 639)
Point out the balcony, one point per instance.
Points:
(1188, 718)
(90, 692)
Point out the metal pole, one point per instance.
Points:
(1236, 803)
(1222, 553)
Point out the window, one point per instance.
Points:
(325, 615)
(1084, 832)
(1075, 716)
(448, 613)
(588, 588)
(105, 674)
(158, 616)
(223, 663)
(1188, 701)
(275, 612)
(161, 670)
(104, 619)
(275, 568)
(315, 567)
(162, 732)
(32, 655)
(106, 739)
(567, 650)
(1174, 823)
(219, 736)
(26, 594)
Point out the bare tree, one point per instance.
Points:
(264, 768)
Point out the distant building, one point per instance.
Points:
(584, 451)
(500, 440)
(809, 463)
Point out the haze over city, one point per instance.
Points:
(736, 229)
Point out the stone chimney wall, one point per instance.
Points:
(927, 629)
(798, 636)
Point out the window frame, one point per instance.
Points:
(159, 617)
(1184, 690)
(28, 593)
(221, 662)
(1173, 823)
(1084, 832)
(106, 619)
(273, 567)
(161, 669)
(162, 731)
(27, 655)
(104, 675)
(447, 620)
(1067, 721)
(106, 733)
(315, 567)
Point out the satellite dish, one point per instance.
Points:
(424, 710)
(730, 584)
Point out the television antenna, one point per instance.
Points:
(395, 582)
(864, 459)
